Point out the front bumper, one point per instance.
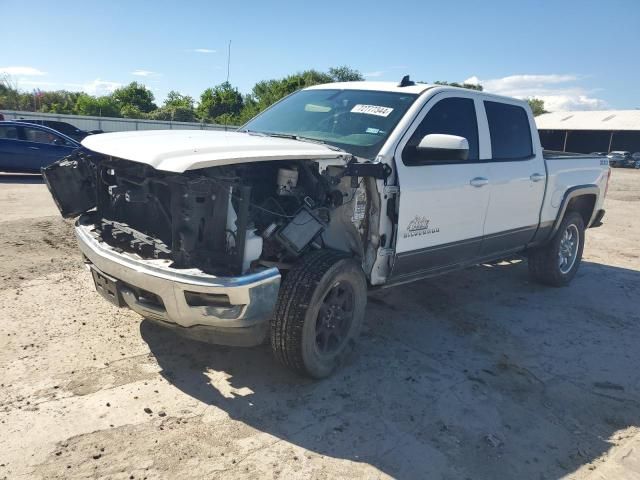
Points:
(227, 310)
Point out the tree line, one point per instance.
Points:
(222, 104)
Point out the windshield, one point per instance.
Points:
(358, 121)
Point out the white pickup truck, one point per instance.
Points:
(276, 231)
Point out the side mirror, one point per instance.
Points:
(439, 146)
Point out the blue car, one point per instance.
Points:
(27, 148)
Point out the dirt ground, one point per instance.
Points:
(478, 374)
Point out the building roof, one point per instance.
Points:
(590, 120)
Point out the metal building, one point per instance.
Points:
(590, 131)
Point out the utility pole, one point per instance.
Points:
(228, 60)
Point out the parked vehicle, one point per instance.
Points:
(279, 229)
(28, 148)
(620, 159)
(636, 160)
(63, 127)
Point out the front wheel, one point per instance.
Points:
(319, 313)
(557, 263)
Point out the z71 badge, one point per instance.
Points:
(419, 226)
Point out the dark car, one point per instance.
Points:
(62, 127)
(636, 160)
(620, 158)
(27, 148)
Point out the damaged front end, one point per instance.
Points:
(206, 248)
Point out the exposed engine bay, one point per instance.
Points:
(222, 220)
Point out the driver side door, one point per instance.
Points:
(443, 203)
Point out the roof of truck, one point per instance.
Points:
(417, 88)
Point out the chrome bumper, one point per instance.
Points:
(241, 318)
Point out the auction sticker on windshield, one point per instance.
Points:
(372, 110)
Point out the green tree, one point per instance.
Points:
(59, 101)
(470, 86)
(9, 94)
(345, 74)
(223, 99)
(537, 106)
(267, 92)
(175, 114)
(131, 111)
(104, 106)
(176, 107)
(134, 96)
(176, 99)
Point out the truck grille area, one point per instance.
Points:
(181, 217)
(125, 238)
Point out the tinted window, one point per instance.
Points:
(452, 116)
(42, 136)
(8, 132)
(510, 132)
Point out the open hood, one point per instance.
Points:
(181, 150)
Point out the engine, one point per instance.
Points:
(229, 219)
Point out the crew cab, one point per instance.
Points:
(278, 230)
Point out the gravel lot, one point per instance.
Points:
(478, 374)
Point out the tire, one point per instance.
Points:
(546, 265)
(310, 332)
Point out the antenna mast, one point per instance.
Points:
(228, 60)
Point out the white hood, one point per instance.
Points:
(181, 150)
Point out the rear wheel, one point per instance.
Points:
(319, 313)
(556, 263)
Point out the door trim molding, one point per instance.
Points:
(441, 258)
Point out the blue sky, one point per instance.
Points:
(574, 54)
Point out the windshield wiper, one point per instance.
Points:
(291, 136)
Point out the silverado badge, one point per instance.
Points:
(419, 226)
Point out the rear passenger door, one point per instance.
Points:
(517, 178)
(442, 203)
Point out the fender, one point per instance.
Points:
(570, 194)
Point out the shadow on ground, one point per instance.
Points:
(478, 374)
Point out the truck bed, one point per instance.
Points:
(555, 155)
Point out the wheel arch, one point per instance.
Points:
(581, 199)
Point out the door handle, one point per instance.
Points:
(536, 177)
(33, 148)
(479, 181)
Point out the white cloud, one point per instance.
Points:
(95, 87)
(375, 74)
(558, 91)
(203, 50)
(143, 73)
(24, 71)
